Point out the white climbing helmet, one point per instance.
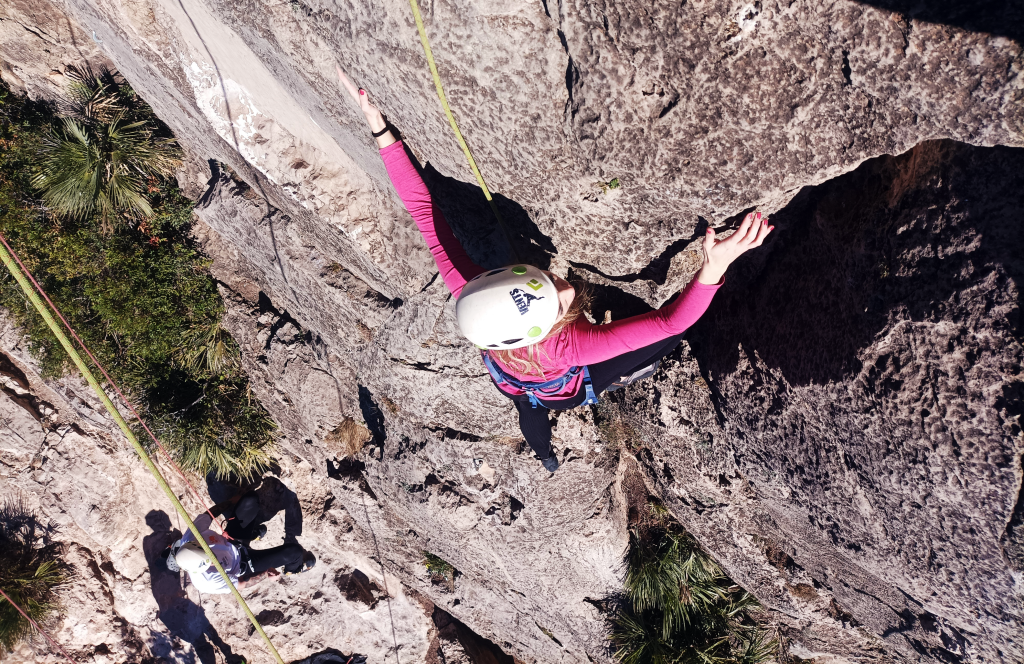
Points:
(191, 558)
(510, 307)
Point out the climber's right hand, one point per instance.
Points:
(373, 115)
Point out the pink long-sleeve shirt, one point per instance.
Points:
(578, 344)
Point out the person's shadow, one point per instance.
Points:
(276, 497)
(183, 618)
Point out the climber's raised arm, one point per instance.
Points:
(591, 344)
(452, 261)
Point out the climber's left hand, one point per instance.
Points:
(372, 114)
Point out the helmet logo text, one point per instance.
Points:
(523, 299)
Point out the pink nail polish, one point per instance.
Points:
(362, 92)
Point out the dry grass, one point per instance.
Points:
(616, 432)
(388, 404)
(365, 333)
(348, 438)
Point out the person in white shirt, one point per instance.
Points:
(244, 566)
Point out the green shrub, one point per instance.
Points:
(680, 608)
(105, 155)
(440, 570)
(31, 573)
(140, 295)
(222, 427)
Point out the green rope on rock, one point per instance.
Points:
(455, 126)
(33, 296)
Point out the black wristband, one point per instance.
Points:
(378, 134)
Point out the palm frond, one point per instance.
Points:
(208, 348)
(31, 572)
(756, 647)
(681, 608)
(225, 430)
(638, 640)
(101, 158)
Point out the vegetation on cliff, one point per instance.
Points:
(103, 156)
(87, 201)
(680, 607)
(440, 570)
(32, 571)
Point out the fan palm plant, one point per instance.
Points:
(105, 155)
(681, 608)
(31, 572)
(224, 429)
(208, 348)
(142, 298)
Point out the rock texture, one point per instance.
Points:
(857, 388)
(38, 44)
(841, 431)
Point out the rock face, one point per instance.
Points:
(37, 44)
(857, 388)
(841, 430)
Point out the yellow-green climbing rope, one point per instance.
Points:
(16, 272)
(455, 126)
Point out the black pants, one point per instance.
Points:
(289, 556)
(243, 528)
(534, 422)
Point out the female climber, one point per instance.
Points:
(539, 349)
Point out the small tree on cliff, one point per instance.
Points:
(140, 295)
(107, 153)
(31, 572)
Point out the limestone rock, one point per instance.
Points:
(38, 43)
(852, 394)
(841, 431)
(122, 604)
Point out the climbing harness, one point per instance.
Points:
(38, 628)
(12, 262)
(455, 127)
(547, 388)
(245, 558)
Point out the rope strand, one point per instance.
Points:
(455, 127)
(110, 381)
(39, 629)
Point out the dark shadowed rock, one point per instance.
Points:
(857, 389)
